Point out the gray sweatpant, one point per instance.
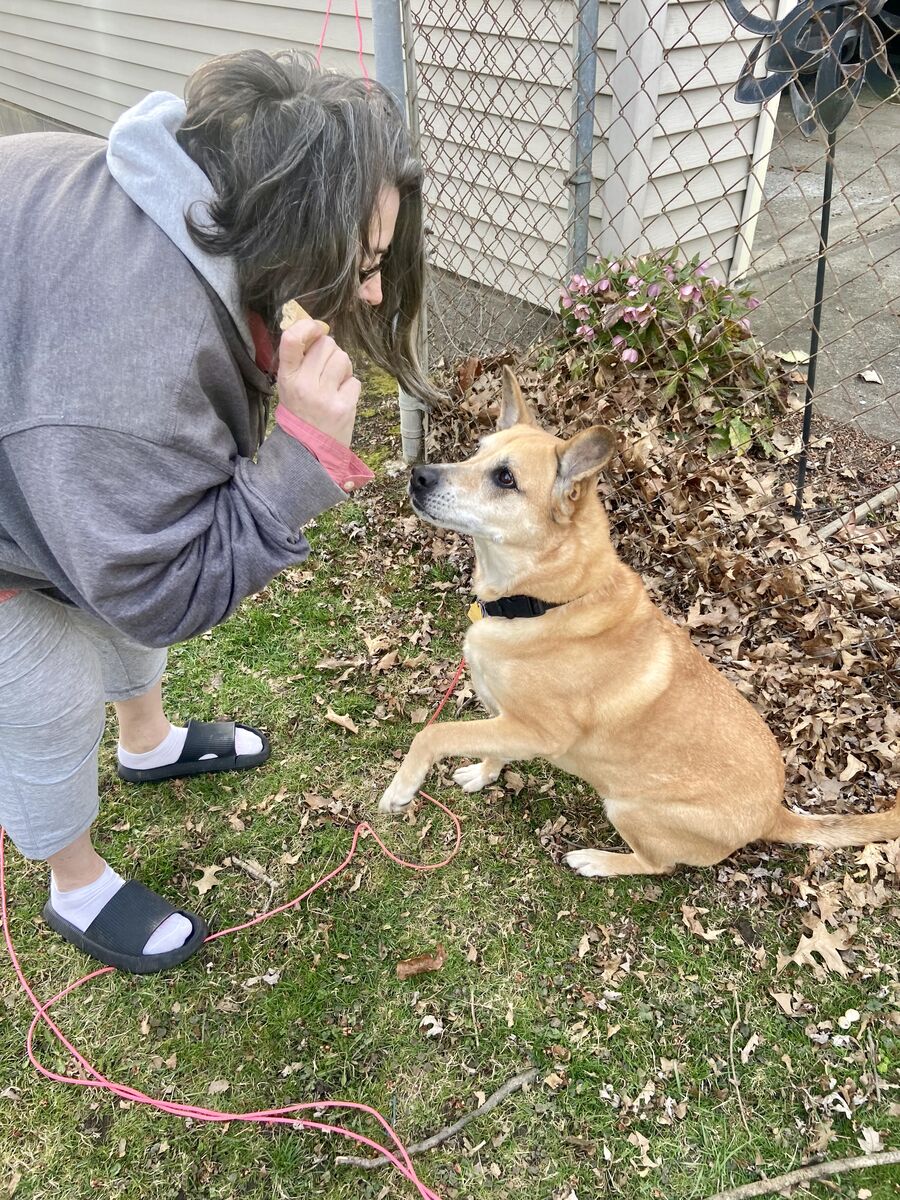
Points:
(58, 667)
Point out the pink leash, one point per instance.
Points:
(359, 36)
(398, 1157)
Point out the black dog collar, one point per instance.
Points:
(514, 606)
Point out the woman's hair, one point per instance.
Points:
(298, 157)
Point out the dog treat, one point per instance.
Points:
(292, 312)
(422, 963)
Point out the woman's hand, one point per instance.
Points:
(316, 380)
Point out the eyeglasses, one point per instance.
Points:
(367, 273)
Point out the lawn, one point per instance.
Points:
(674, 1057)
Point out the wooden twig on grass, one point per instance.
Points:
(255, 871)
(443, 1135)
(734, 1078)
(765, 1187)
(862, 510)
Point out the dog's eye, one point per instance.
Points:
(503, 477)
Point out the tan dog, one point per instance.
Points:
(603, 685)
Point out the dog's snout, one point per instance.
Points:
(423, 479)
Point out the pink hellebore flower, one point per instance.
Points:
(640, 316)
(618, 341)
(579, 285)
(602, 285)
(629, 356)
(633, 281)
(565, 299)
(653, 291)
(581, 311)
(613, 267)
(745, 325)
(753, 302)
(669, 273)
(690, 291)
(588, 332)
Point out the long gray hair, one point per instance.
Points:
(298, 156)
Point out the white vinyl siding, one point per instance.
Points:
(82, 64)
(494, 88)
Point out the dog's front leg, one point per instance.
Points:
(498, 739)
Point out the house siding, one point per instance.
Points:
(81, 65)
(672, 151)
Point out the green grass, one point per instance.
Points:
(630, 1030)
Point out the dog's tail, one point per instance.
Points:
(836, 831)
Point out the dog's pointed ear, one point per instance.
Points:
(513, 409)
(582, 457)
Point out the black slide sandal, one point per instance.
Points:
(204, 737)
(122, 928)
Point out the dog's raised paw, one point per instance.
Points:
(475, 777)
(396, 798)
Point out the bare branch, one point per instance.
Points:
(765, 1187)
(443, 1135)
(890, 493)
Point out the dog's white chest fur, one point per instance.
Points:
(478, 661)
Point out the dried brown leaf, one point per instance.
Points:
(689, 916)
(343, 721)
(824, 943)
(421, 963)
(208, 880)
(386, 662)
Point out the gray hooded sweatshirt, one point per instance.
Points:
(132, 479)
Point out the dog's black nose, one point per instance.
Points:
(423, 479)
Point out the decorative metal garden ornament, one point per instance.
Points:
(823, 52)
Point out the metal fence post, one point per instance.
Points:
(582, 177)
(387, 31)
(390, 70)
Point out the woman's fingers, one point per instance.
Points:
(336, 369)
(298, 341)
(316, 380)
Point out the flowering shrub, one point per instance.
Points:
(669, 324)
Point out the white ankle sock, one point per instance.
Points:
(170, 748)
(82, 905)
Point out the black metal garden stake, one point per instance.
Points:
(824, 223)
(822, 51)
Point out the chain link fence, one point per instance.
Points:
(556, 134)
(673, 159)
